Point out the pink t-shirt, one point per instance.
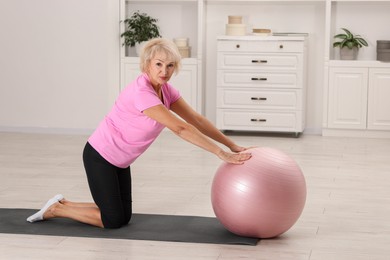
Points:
(125, 133)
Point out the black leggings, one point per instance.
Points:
(110, 188)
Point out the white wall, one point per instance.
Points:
(59, 63)
(59, 60)
(279, 17)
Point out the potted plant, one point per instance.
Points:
(349, 44)
(140, 28)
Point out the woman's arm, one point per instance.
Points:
(191, 134)
(181, 108)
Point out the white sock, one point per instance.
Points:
(39, 215)
(59, 197)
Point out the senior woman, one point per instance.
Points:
(140, 113)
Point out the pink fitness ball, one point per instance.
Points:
(263, 197)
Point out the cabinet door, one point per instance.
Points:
(347, 107)
(185, 81)
(130, 71)
(379, 99)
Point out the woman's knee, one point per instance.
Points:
(116, 221)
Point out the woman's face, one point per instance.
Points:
(160, 69)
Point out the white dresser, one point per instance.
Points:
(261, 83)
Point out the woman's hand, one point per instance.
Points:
(237, 149)
(234, 158)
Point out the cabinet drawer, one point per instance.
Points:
(256, 79)
(259, 121)
(259, 61)
(260, 46)
(259, 99)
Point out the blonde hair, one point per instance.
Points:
(160, 45)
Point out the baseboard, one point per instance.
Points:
(312, 131)
(355, 133)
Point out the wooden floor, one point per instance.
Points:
(347, 213)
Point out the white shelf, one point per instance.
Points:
(368, 1)
(359, 63)
(357, 16)
(159, 1)
(184, 61)
(176, 19)
(259, 1)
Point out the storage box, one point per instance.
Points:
(185, 52)
(383, 55)
(235, 29)
(181, 42)
(383, 50)
(383, 44)
(235, 19)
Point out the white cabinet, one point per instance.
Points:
(261, 83)
(358, 98)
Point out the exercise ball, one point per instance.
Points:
(263, 197)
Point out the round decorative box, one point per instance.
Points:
(181, 42)
(185, 52)
(235, 29)
(235, 19)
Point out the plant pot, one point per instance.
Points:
(138, 47)
(349, 54)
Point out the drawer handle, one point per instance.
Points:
(258, 98)
(259, 61)
(258, 120)
(281, 46)
(262, 79)
(238, 46)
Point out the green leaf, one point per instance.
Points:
(349, 40)
(140, 27)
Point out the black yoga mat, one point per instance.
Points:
(142, 227)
